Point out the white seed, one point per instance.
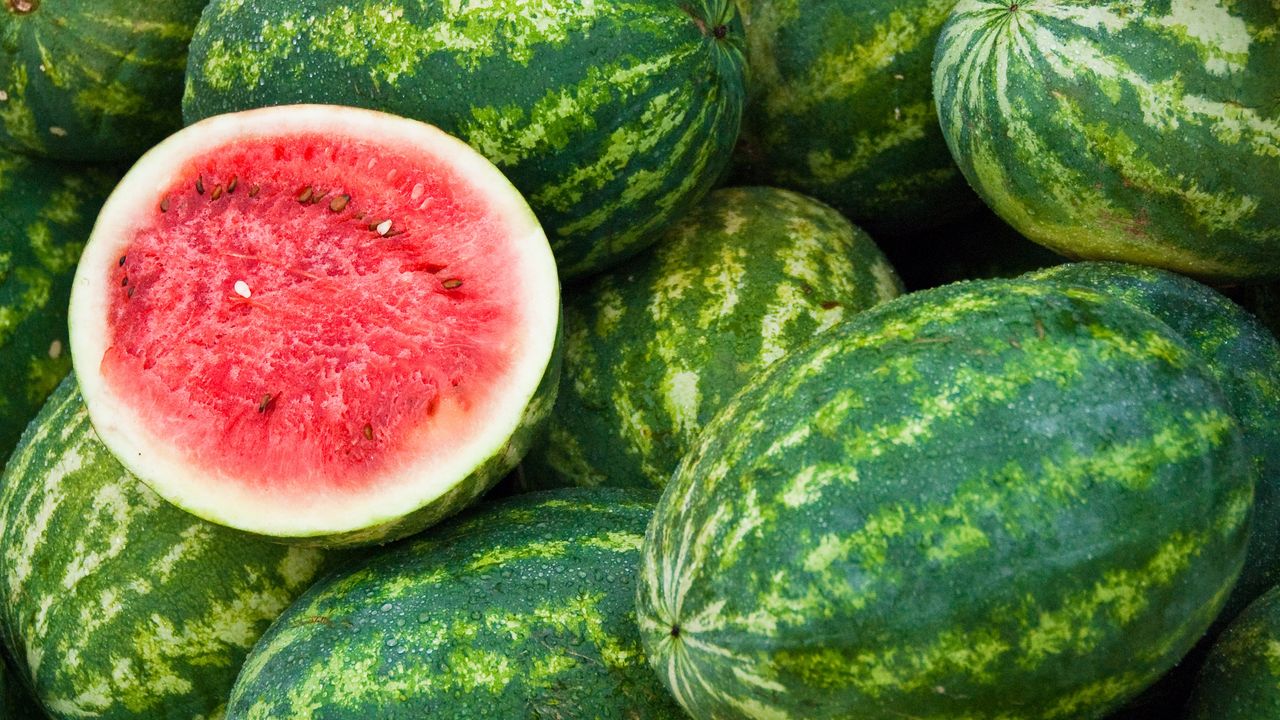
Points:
(242, 289)
(417, 191)
(384, 227)
(55, 349)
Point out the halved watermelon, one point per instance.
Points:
(316, 323)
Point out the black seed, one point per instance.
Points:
(231, 186)
(124, 281)
(200, 185)
(266, 402)
(122, 257)
(304, 195)
(368, 431)
(339, 203)
(164, 204)
(253, 191)
(217, 191)
(452, 283)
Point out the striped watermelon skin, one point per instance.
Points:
(96, 80)
(1245, 360)
(841, 108)
(655, 348)
(522, 608)
(915, 515)
(48, 209)
(114, 603)
(1241, 677)
(1144, 132)
(611, 118)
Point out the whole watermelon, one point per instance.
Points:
(997, 499)
(612, 118)
(1147, 132)
(655, 348)
(114, 603)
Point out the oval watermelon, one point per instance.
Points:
(1145, 132)
(316, 323)
(612, 118)
(46, 212)
(92, 79)
(115, 604)
(519, 609)
(990, 500)
(653, 349)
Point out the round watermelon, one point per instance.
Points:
(990, 500)
(1146, 132)
(612, 118)
(316, 323)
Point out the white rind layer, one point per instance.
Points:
(158, 463)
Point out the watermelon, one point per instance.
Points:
(1143, 132)
(114, 603)
(46, 211)
(996, 499)
(654, 348)
(1241, 678)
(840, 108)
(521, 609)
(92, 79)
(315, 323)
(1245, 360)
(612, 118)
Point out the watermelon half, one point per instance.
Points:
(316, 323)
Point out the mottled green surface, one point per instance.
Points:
(1241, 678)
(841, 108)
(1245, 360)
(46, 212)
(655, 348)
(1146, 132)
(92, 79)
(114, 603)
(611, 118)
(994, 500)
(523, 608)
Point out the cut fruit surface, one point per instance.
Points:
(311, 321)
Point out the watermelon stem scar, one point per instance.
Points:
(290, 361)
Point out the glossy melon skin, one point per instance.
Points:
(47, 209)
(656, 347)
(990, 500)
(611, 118)
(114, 603)
(841, 108)
(96, 80)
(1141, 132)
(521, 608)
(1245, 360)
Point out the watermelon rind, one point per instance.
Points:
(521, 608)
(415, 496)
(115, 604)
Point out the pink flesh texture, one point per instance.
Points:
(360, 349)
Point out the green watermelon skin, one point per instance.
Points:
(92, 80)
(1140, 132)
(655, 348)
(523, 608)
(48, 211)
(114, 603)
(1245, 360)
(1241, 677)
(996, 499)
(840, 108)
(611, 118)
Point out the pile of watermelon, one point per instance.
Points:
(646, 359)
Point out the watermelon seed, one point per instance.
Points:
(130, 293)
(304, 194)
(124, 281)
(267, 401)
(384, 227)
(231, 186)
(452, 283)
(200, 185)
(368, 431)
(339, 203)
(253, 191)
(122, 257)
(217, 192)
(242, 289)
(164, 204)
(55, 349)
